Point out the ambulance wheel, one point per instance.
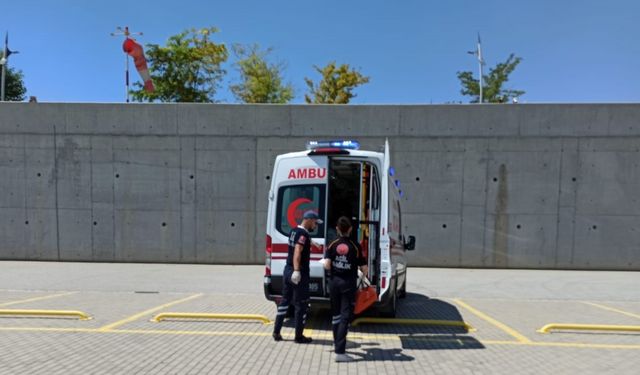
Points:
(388, 310)
(402, 293)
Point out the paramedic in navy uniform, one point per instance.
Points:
(296, 277)
(343, 257)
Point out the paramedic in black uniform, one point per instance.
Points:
(343, 257)
(296, 277)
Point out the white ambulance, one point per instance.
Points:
(335, 178)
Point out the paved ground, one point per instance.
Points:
(506, 307)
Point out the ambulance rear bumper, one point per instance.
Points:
(273, 289)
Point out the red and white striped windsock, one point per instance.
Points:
(134, 50)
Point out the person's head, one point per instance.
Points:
(343, 226)
(310, 220)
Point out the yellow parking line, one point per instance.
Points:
(36, 299)
(518, 336)
(209, 333)
(320, 336)
(567, 345)
(312, 320)
(111, 326)
(612, 309)
(49, 329)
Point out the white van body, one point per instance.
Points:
(334, 182)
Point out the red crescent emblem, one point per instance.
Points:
(291, 211)
(342, 249)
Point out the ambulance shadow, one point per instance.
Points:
(426, 337)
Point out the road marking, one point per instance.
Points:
(518, 336)
(48, 329)
(612, 309)
(137, 316)
(36, 299)
(320, 336)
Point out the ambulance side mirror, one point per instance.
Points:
(411, 245)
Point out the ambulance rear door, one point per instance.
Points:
(300, 184)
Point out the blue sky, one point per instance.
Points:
(573, 51)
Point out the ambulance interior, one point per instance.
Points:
(354, 192)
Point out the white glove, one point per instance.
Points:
(363, 282)
(295, 277)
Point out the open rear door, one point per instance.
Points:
(383, 261)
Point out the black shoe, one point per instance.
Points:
(303, 340)
(277, 337)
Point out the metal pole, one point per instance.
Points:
(126, 73)
(4, 62)
(125, 31)
(480, 62)
(2, 94)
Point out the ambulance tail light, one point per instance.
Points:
(383, 282)
(267, 261)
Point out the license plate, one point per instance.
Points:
(314, 287)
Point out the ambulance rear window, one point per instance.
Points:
(294, 201)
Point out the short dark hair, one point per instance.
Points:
(343, 224)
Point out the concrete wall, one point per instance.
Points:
(533, 186)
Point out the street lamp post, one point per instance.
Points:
(478, 54)
(3, 62)
(6, 52)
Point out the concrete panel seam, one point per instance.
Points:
(55, 176)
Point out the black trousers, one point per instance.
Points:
(343, 298)
(298, 295)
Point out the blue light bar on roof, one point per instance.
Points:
(342, 144)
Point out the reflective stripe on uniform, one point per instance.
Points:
(336, 319)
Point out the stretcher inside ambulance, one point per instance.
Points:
(335, 178)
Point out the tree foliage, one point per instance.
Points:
(492, 88)
(261, 82)
(187, 69)
(336, 86)
(14, 85)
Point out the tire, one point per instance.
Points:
(402, 293)
(389, 309)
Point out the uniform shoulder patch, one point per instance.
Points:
(302, 239)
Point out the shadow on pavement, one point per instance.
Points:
(415, 337)
(378, 354)
(418, 306)
(439, 342)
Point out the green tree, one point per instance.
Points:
(187, 69)
(261, 82)
(492, 89)
(14, 85)
(336, 85)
